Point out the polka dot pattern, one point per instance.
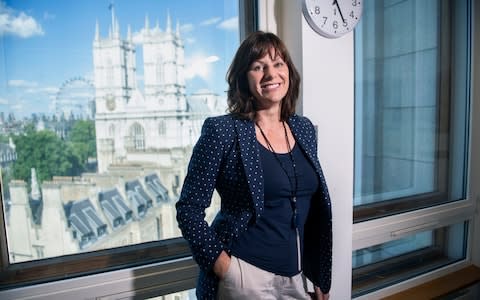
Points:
(226, 158)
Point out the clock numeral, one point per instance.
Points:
(317, 10)
(345, 24)
(355, 2)
(352, 15)
(335, 24)
(324, 21)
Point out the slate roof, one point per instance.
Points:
(85, 222)
(139, 199)
(115, 208)
(155, 186)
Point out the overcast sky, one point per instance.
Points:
(44, 44)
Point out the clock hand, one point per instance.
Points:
(339, 10)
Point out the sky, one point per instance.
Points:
(44, 44)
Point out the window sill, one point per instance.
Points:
(440, 286)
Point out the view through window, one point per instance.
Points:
(101, 103)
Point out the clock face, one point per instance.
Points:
(332, 18)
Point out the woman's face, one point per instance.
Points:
(268, 79)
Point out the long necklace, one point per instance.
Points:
(294, 183)
(294, 187)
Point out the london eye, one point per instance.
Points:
(75, 99)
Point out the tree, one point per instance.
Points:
(45, 152)
(82, 139)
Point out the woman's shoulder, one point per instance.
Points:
(222, 122)
(223, 125)
(301, 121)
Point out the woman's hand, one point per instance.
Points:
(318, 295)
(221, 265)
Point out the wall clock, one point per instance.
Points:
(332, 18)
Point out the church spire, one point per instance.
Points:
(112, 12)
(178, 29)
(129, 33)
(97, 31)
(116, 32)
(147, 24)
(169, 23)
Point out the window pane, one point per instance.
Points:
(100, 106)
(380, 265)
(411, 99)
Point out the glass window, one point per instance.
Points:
(411, 105)
(412, 89)
(380, 265)
(83, 86)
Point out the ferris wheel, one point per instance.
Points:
(75, 98)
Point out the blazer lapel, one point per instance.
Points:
(305, 143)
(250, 155)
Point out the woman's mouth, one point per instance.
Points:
(270, 86)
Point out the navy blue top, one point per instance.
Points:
(270, 243)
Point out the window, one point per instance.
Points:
(410, 138)
(121, 214)
(390, 262)
(412, 89)
(137, 135)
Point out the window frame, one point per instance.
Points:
(443, 159)
(161, 267)
(431, 211)
(402, 267)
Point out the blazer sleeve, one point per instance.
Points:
(196, 196)
(318, 231)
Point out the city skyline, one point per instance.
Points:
(42, 46)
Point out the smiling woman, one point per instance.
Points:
(274, 224)
(68, 209)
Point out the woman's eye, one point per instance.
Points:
(257, 68)
(279, 64)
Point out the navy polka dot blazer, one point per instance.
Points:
(226, 157)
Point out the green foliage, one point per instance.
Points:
(3, 139)
(82, 140)
(45, 152)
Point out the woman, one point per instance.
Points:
(274, 225)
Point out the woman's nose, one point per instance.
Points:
(269, 72)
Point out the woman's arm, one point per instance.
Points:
(196, 196)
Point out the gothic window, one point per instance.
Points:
(137, 135)
(111, 131)
(159, 69)
(162, 128)
(109, 72)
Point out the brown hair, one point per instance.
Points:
(255, 46)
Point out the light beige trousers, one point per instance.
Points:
(244, 281)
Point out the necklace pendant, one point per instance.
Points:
(294, 199)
